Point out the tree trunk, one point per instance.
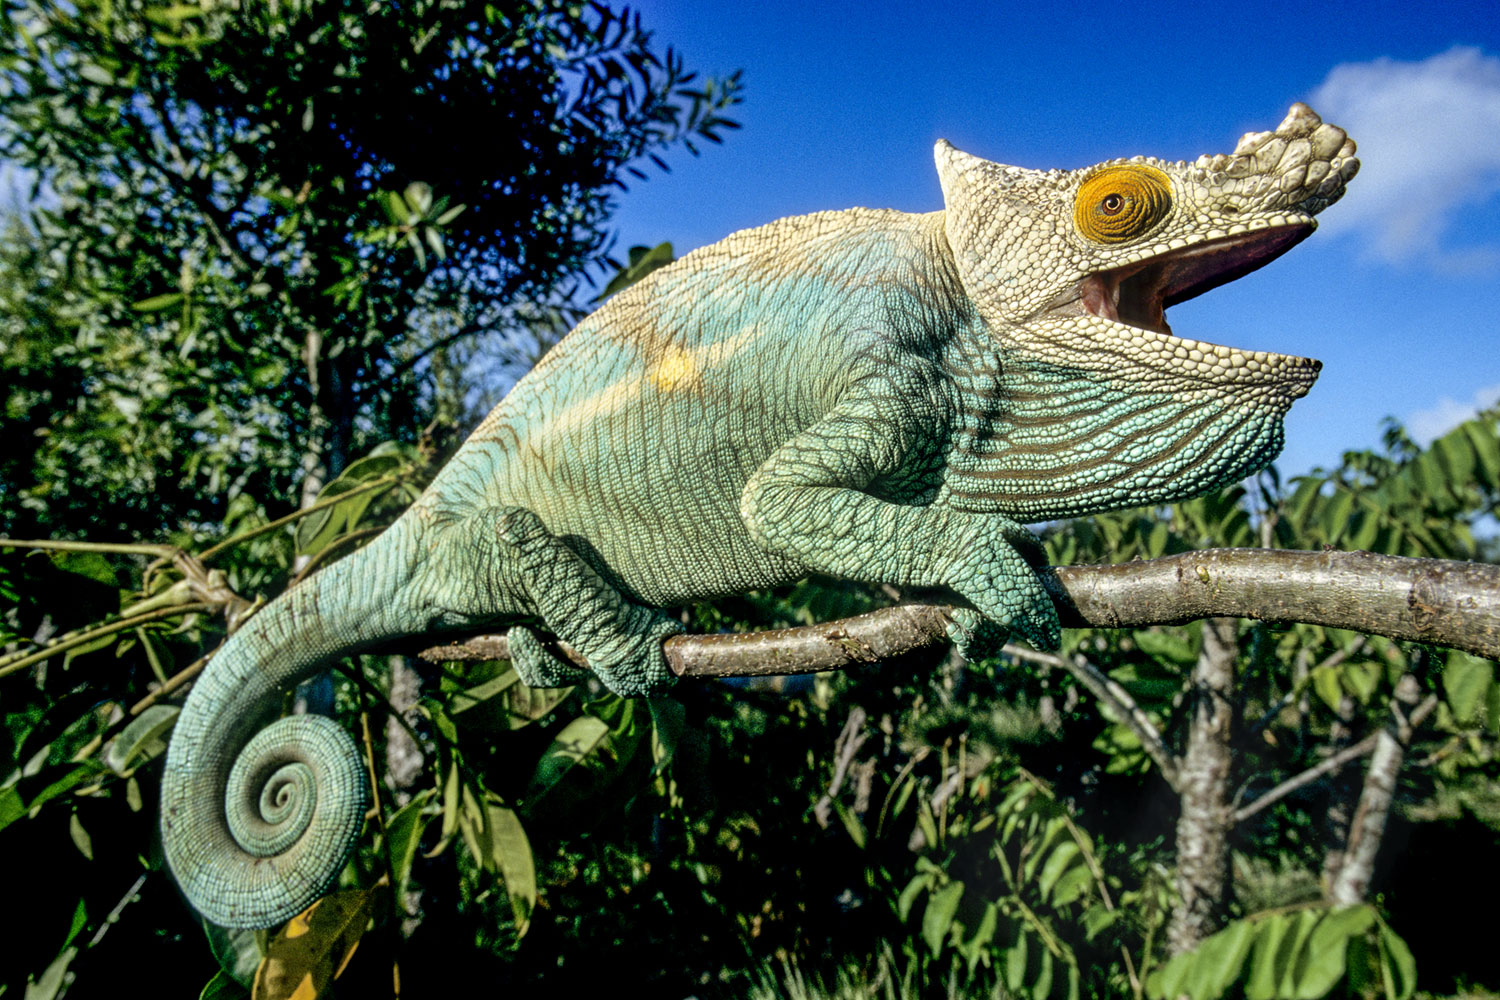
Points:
(1344, 788)
(403, 755)
(314, 469)
(1352, 883)
(1203, 780)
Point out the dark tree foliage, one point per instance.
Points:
(261, 236)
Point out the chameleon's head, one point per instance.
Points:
(1080, 266)
(1074, 270)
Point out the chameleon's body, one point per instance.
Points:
(868, 394)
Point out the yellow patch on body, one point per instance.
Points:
(678, 369)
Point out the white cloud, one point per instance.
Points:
(1426, 425)
(1427, 134)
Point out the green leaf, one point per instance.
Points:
(579, 740)
(89, 565)
(404, 835)
(1015, 963)
(525, 705)
(1042, 985)
(470, 698)
(919, 883)
(1302, 924)
(80, 921)
(1207, 972)
(1072, 886)
(50, 982)
(1156, 543)
(1324, 959)
(506, 843)
(321, 527)
(1269, 961)
(1172, 645)
(1486, 445)
(81, 838)
(1057, 863)
(977, 946)
(315, 947)
(1467, 681)
(1455, 456)
(1396, 960)
(1336, 515)
(1361, 679)
(157, 303)
(450, 802)
(668, 723)
(852, 824)
(1096, 919)
(642, 263)
(1325, 681)
(86, 771)
(938, 917)
(238, 952)
(12, 806)
(1367, 529)
(223, 987)
(144, 739)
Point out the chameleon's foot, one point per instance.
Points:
(1001, 583)
(535, 664)
(975, 636)
(621, 640)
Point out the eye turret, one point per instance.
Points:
(1118, 204)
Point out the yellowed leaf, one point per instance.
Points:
(314, 948)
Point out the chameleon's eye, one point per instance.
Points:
(1120, 203)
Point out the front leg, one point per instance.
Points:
(812, 501)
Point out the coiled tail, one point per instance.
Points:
(257, 820)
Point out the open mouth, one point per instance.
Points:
(1139, 294)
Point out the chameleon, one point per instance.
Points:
(871, 395)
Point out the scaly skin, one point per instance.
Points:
(872, 395)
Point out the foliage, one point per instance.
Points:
(1295, 953)
(262, 237)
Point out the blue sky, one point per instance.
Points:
(1396, 293)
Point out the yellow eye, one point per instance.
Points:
(1121, 203)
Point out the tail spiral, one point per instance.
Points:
(292, 808)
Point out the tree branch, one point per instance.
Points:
(1334, 763)
(1435, 601)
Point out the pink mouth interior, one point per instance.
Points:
(1139, 293)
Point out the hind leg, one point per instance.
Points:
(620, 639)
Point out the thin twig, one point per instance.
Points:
(1338, 760)
(1109, 691)
(123, 548)
(283, 521)
(332, 547)
(177, 680)
(113, 916)
(1331, 660)
(24, 660)
(1095, 868)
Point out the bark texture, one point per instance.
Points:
(1204, 823)
(1352, 883)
